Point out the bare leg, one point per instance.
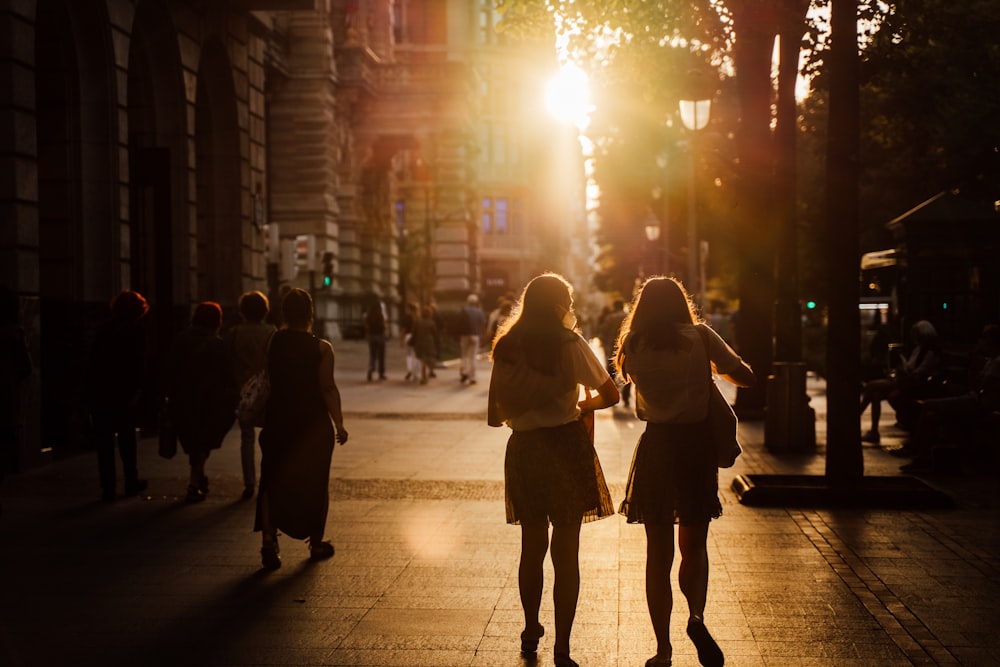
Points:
(693, 571)
(534, 545)
(566, 587)
(693, 578)
(659, 597)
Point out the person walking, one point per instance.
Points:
(610, 326)
(551, 470)
(406, 323)
(116, 373)
(375, 333)
(664, 349)
(247, 341)
(302, 420)
(202, 393)
(474, 326)
(424, 342)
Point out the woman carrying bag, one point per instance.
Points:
(663, 349)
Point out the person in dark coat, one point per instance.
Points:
(202, 393)
(302, 420)
(117, 372)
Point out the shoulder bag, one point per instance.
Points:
(721, 418)
(254, 394)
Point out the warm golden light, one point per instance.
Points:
(567, 96)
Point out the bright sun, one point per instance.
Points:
(567, 96)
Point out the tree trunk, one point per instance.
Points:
(844, 461)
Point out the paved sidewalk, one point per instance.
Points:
(426, 570)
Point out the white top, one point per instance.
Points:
(671, 385)
(528, 399)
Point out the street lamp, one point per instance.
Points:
(654, 229)
(694, 115)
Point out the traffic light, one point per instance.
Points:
(327, 269)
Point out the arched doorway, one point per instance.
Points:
(77, 190)
(217, 150)
(158, 169)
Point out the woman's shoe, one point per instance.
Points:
(194, 495)
(563, 660)
(269, 558)
(657, 661)
(529, 642)
(871, 436)
(709, 653)
(320, 551)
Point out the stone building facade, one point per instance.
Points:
(193, 150)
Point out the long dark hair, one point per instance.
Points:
(660, 308)
(534, 329)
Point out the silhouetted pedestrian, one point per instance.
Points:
(375, 331)
(551, 471)
(611, 326)
(302, 420)
(247, 340)
(115, 377)
(664, 350)
(470, 337)
(911, 381)
(425, 342)
(202, 392)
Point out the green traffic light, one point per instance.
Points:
(327, 281)
(810, 305)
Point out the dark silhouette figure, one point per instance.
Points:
(914, 379)
(302, 420)
(425, 336)
(962, 416)
(663, 349)
(551, 472)
(375, 331)
(875, 348)
(246, 341)
(406, 321)
(202, 392)
(15, 367)
(473, 328)
(610, 327)
(117, 373)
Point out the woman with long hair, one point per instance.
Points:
(302, 420)
(551, 471)
(664, 349)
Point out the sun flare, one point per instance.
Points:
(567, 96)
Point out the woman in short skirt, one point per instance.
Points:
(664, 350)
(551, 471)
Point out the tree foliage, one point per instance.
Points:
(930, 112)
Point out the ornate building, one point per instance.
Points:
(193, 150)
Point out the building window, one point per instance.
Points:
(500, 215)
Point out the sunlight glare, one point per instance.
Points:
(567, 96)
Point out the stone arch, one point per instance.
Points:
(156, 260)
(77, 199)
(218, 179)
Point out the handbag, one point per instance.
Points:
(167, 437)
(254, 394)
(721, 420)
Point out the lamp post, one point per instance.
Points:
(694, 115)
(654, 230)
